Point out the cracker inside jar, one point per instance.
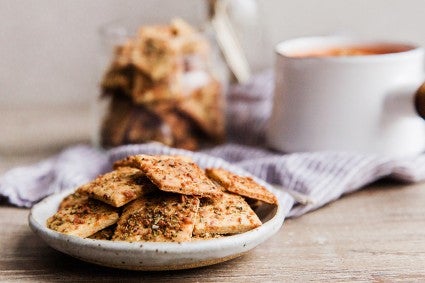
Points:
(161, 198)
(160, 87)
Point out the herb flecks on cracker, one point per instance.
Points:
(118, 187)
(229, 214)
(174, 174)
(161, 198)
(241, 185)
(161, 218)
(83, 219)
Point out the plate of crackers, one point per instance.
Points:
(161, 212)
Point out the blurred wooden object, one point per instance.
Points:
(420, 101)
(227, 40)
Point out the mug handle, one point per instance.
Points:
(420, 101)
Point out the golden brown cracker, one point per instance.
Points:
(182, 129)
(145, 125)
(134, 160)
(104, 234)
(154, 53)
(118, 187)
(174, 174)
(123, 53)
(118, 80)
(244, 186)
(146, 91)
(229, 214)
(115, 123)
(83, 219)
(205, 107)
(72, 199)
(161, 218)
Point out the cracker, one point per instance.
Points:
(155, 54)
(123, 53)
(134, 160)
(83, 219)
(174, 174)
(145, 90)
(182, 129)
(73, 199)
(160, 218)
(118, 187)
(188, 40)
(205, 108)
(206, 236)
(229, 214)
(244, 186)
(104, 234)
(118, 80)
(116, 122)
(145, 125)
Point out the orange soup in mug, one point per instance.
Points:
(354, 50)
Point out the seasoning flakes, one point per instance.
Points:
(161, 198)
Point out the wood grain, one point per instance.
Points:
(376, 235)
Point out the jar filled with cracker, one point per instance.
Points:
(161, 85)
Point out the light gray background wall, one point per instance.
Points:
(49, 49)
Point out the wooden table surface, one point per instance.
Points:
(375, 235)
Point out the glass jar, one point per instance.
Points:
(163, 83)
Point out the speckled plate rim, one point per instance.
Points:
(159, 256)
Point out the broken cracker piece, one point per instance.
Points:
(174, 174)
(244, 186)
(161, 218)
(118, 187)
(83, 219)
(229, 214)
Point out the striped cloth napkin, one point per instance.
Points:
(311, 179)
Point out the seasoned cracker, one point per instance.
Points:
(161, 218)
(155, 54)
(244, 186)
(145, 90)
(229, 214)
(182, 129)
(134, 160)
(104, 234)
(145, 125)
(72, 199)
(118, 119)
(205, 107)
(188, 40)
(83, 219)
(174, 174)
(118, 187)
(123, 53)
(206, 236)
(118, 80)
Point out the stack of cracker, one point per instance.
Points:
(161, 199)
(161, 89)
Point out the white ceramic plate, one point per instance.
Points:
(158, 256)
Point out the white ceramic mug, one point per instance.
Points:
(361, 103)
